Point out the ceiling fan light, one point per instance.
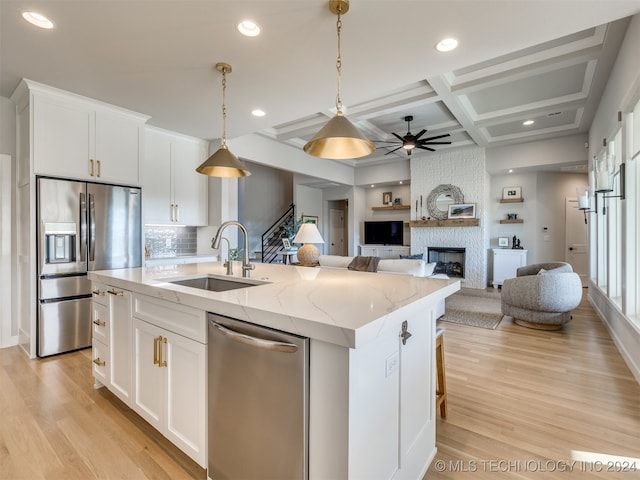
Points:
(223, 163)
(339, 139)
(409, 145)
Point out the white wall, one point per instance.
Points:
(8, 321)
(569, 150)
(621, 92)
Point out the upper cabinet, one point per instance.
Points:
(76, 137)
(173, 192)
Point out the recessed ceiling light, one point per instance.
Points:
(372, 185)
(447, 44)
(528, 122)
(258, 113)
(37, 19)
(400, 182)
(510, 170)
(249, 28)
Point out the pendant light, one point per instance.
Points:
(223, 163)
(339, 139)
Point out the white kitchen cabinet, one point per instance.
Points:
(505, 263)
(76, 137)
(100, 335)
(384, 251)
(385, 386)
(120, 344)
(170, 372)
(173, 192)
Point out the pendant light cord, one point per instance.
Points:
(224, 107)
(339, 63)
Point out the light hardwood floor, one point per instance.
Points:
(520, 401)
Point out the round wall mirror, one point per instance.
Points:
(440, 198)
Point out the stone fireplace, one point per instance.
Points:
(464, 168)
(449, 260)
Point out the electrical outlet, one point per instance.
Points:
(391, 364)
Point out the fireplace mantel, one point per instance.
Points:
(455, 222)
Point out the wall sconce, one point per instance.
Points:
(584, 195)
(603, 171)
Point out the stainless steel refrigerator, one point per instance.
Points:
(81, 227)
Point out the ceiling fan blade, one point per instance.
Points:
(425, 148)
(434, 143)
(435, 137)
(385, 141)
(398, 137)
(420, 133)
(391, 151)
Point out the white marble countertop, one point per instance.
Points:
(344, 307)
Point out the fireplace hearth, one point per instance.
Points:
(449, 260)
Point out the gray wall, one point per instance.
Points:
(262, 198)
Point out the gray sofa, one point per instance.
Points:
(542, 295)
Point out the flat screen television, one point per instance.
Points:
(384, 232)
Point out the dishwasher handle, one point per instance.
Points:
(245, 339)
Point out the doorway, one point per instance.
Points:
(576, 239)
(338, 232)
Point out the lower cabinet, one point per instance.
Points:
(506, 262)
(384, 251)
(170, 386)
(120, 345)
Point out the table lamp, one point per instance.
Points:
(308, 234)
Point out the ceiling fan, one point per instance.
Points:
(410, 141)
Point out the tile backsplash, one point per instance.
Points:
(168, 241)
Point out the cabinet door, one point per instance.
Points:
(417, 384)
(185, 395)
(120, 344)
(368, 251)
(156, 178)
(189, 187)
(61, 137)
(100, 322)
(117, 148)
(148, 397)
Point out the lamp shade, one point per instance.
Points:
(308, 233)
(339, 139)
(223, 163)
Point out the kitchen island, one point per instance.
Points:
(371, 386)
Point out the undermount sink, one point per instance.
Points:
(214, 284)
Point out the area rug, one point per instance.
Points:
(476, 308)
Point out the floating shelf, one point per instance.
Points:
(512, 200)
(456, 222)
(392, 207)
(518, 220)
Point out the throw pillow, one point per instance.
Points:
(417, 256)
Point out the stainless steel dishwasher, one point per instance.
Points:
(258, 402)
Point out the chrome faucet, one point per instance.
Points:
(247, 266)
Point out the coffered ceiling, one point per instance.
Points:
(517, 60)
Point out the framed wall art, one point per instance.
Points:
(310, 219)
(462, 210)
(503, 242)
(511, 193)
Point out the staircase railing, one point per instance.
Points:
(272, 237)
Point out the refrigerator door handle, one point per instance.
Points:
(271, 345)
(83, 227)
(92, 228)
